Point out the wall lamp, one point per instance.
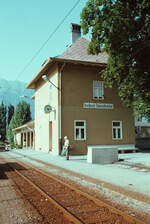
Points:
(27, 97)
(45, 78)
(24, 96)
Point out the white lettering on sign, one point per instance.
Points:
(107, 106)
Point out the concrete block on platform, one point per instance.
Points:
(102, 155)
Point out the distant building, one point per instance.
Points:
(24, 135)
(75, 103)
(142, 129)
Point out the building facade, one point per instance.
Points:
(73, 102)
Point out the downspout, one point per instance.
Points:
(60, 111)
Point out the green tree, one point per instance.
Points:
(121, 28)
(3, 112)
(10, 133)
(21, 115)
(10, 112)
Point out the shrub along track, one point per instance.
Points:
(58, 202)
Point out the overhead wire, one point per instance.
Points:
(46, 41)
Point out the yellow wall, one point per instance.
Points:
(76, 84)
(45, 93)
(77, 88)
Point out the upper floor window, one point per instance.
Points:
(117, 130)
(80, 130)
(98, 90)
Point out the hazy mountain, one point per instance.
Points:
(11, 92)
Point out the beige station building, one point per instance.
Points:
(71, 100)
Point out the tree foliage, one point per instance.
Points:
(121, 28)
(21, 115)
(10, 112)
(3, 112)
(10, 133)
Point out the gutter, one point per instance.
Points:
(63, 60)
(60, 111)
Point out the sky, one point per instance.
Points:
(25, 26)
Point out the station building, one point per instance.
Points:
(71, 100)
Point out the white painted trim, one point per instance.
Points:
(119, 127)
(27, 130)
(119, 147)
(102, 97)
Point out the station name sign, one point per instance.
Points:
(102, 106)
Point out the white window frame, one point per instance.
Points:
(116, 128)
(98, 86)
(80, 127)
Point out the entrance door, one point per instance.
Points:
(50, 136)
(80, 137)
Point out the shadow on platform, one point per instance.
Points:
(9, 167)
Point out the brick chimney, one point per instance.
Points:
(75, 32)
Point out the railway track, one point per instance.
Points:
(60, 203)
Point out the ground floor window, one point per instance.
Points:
(80, 130)
(116, 130)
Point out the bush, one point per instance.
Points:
(12, 146)
(19, 146)
(144, 134)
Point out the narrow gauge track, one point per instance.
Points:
(76, 206)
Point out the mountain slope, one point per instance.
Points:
(11, 92)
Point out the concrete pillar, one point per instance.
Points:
(33, 140)
(30, 139)
(26, 139)
(23, 140)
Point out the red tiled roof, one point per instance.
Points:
(78, 51)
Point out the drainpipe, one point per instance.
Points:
(60, 115)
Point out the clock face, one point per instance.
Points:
(47, 109)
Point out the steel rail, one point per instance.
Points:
(98, 202)
(66, 214)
